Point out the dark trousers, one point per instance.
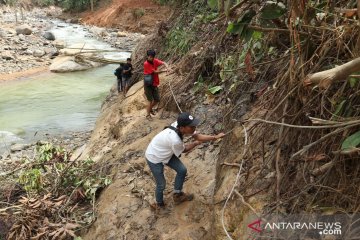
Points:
(158, 173)
(119, 85)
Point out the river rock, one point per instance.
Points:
(21, 37)
(122, 34)
(7, 56)
(39, 53)
(2, 33)
(28, 52)
(19, 147)
(24, 29)
(68, 64)
(98, 31)
(49, 36)
(59, 44)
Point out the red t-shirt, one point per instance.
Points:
(150, 68)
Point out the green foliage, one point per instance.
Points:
(351, 142)
(178, 41)
(199, 84)
(339, 108)
(213, 4)
(32, 180)
(164, 2)
(53, 169)
(240, 27)
(75, 5)
(214, 90)
(353, 81)
(43, 3)
(226, 64)
(48, 151)
(138, 13)
(273, 10)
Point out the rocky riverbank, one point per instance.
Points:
(28, 45)
(25, 40)
(20, 151)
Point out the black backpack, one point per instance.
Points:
(118, 72)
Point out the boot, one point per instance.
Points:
(182, 197)
(157, 206)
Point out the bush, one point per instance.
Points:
(138, 13)
(75, 5)
(43, 3)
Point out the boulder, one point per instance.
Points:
(39, 53)
(49, 36)
(68, 64)
(23, 29)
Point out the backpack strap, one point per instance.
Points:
(175, 130)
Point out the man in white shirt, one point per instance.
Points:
(165, 149)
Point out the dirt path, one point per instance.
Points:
(119, 140)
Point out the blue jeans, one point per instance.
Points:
(158, 173)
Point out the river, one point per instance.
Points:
(55, 103)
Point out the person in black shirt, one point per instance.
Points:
(126, 75)
(118, 74)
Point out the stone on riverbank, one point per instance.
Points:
(68, 64)
(49, 36)
(39, 53)
(19, 147)
(23, 29)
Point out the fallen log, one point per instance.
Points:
(325, 78)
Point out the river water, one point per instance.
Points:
(55, 103)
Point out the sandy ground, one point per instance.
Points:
(23, 74)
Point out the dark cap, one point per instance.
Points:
(150, 53)
(185, 119)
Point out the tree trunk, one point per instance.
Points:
(221, 6)
(358, 9)
(92, 5)
(325, 78)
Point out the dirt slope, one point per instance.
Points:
(130, 15)
(119, 141)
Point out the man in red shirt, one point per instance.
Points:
(152, 92)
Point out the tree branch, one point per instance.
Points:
(325, 78)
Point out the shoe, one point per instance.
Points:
(148, 117)
(182, 197)
(158, 207)
(153, 112)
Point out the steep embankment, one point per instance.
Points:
(129, 15)
(231, 75)
(119, 141)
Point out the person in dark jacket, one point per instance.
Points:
(126, 75)
(118, 74)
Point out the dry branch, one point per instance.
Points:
(320, 170)
(325, 78)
